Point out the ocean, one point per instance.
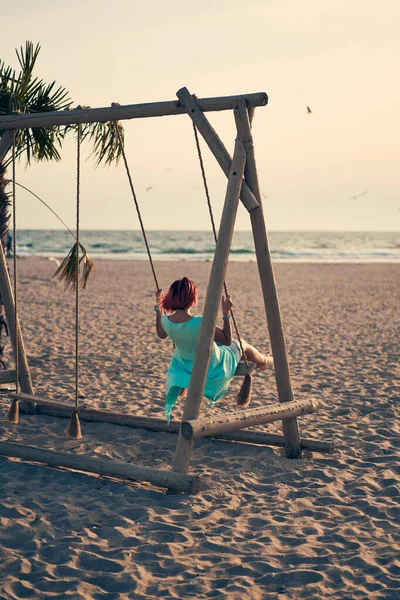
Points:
(285, 246)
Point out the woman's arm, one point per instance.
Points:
(224, 336)
(159, 312)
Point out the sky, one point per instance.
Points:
(334, 169)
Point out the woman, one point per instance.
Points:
(174, 320)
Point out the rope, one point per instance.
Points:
(203, 173)
(15, 266)
(136, 204)
(78, 192)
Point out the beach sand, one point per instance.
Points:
(264, 527)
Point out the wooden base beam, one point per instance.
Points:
(93, 415)
(177, 482)
(47, 401)
(239, 419)
(264, 438)
(9, 376)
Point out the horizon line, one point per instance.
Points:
(209, 231)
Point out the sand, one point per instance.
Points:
(264, 527)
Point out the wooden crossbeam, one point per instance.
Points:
(131, 111)
(239, 419)
(110, 468)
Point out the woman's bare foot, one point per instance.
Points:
(265, 363)
(262, 361)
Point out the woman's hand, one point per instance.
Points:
(226, 305)
(159, 312)
(159, 296)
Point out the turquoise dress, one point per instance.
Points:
(222, 367)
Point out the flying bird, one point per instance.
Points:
(309, 111)
(358, 195)
(169, 169)
(149, 188)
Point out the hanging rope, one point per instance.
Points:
(78, 199)
(203, 173)
(136, 204)
(14, 205)
(74, 427)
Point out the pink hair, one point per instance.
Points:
(181, 295)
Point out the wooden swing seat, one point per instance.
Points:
(242, 369)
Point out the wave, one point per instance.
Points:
(173, 245)
(179, 250)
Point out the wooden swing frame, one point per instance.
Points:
(243, 184)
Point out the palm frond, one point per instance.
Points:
(67, 272)
(104, 138)
(28, 94)
(47, 98)
(25, 88)
(27, 60)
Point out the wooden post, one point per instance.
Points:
(214, 143)
(240, 419)
(14, 328)
(5, 143)
(212, 305)
(278, 345)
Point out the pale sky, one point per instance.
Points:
(340, 57)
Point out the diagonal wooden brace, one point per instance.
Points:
(214, 143)
(6, 292)
(211, 307)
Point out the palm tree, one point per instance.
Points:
(24, 93)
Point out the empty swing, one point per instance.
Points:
(73, 278)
